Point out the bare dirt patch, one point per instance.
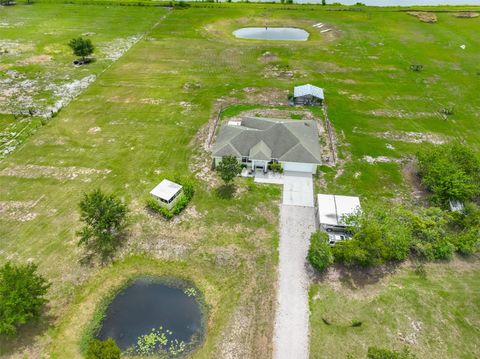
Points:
(268, 57)
(381, 159)
(21, 211)
(423, 16)
(466, 14)
(358, 283)
(410, 174)
(58, 173)
(37, 59)
(411, 137)
(401, 114)
(282, 72)
(116, 48)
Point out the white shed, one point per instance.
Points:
(332, 209)
(166, 192)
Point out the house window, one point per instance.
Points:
(245, 159)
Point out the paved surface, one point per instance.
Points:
(298, 189)
(291, 333)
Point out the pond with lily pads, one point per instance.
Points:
(149, 317)
(272, 33)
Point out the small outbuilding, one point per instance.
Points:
(308, 95)
(167, 192)
(333, 209)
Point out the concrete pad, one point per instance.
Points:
(298, 189)
(269, 177)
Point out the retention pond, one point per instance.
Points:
(272, 33)
(149, 317)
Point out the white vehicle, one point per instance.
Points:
(337, 237)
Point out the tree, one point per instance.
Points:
(320, 254)
(105, 220)
(81, 47)
(379, 235)
(22, 296)
(99, 349)
(229, 168)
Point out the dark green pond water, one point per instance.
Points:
(147, 306)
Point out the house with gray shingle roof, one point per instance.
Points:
(257, 142)
(308, 95)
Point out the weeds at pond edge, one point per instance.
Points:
(186, 285)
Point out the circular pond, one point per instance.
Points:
(149, 317)
(272, 33)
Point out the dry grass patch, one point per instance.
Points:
(423, 16)
(466, 14)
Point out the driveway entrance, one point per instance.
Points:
(298, 189)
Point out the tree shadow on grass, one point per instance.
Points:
(226, 191)
(26, 334)
(356, 277)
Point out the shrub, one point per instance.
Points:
(380, 353)
(99, 349)
(450, 172)
(416, 67)
(276, 167)
(447, 111)
(22, 295)
(430, 233)
(467, 242)
(320, 253)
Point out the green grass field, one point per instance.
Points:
(140, 120)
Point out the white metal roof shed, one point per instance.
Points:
(305, 90)
(332, 208)
(166, 190)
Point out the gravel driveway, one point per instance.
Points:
(291, 333)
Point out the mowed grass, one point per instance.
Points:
(138, 124)
(435, 316)
(39, 60)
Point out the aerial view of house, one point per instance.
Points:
(293, 179)
(257, 142)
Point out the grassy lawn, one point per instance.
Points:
(436, 316)
(37, 75)
(140, 120)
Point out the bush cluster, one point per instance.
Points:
(381, 234)
(449, 172)
(320, 253)
(182, 201)
(106, 349)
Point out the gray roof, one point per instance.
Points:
(266, 139)
(308, 89)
